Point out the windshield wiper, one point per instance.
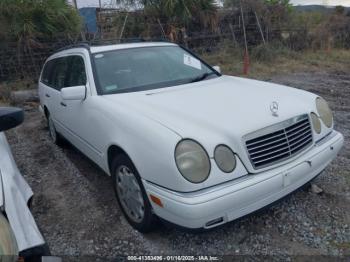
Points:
(201, 77)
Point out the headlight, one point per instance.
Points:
(192, 161)
(8, 244)
(324, 112)
(316, 123)
(225, 158)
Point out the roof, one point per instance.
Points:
(103, 48)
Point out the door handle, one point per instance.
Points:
(47, 95)
(63, 104)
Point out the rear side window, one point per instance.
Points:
(77, 74)
(45, 77)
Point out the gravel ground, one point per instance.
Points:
(75, 207)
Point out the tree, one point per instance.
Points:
(27, 22)
(179, 13)
(339, 10)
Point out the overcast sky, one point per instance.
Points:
(85, 3)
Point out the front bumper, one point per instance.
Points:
(223, 203)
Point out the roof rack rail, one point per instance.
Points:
(80, 44)
(88, 44)
(115, 41)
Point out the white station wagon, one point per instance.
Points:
(181, 141)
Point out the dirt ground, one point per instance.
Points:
(75, 206)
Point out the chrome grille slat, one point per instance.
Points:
(297, 149)
(299, 135)
(300, 141)
(266, 139)
(285, 149)
(284, 138)
(298, 130)
(279, 142)
(298, 125)
(273, 147)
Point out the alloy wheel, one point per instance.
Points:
(130, 194)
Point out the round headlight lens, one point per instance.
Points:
(316, 123)
(225, 158)
(8, 244)
(192, 161)
(324, 111)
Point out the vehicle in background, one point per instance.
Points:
(181, 141)
(19, 234)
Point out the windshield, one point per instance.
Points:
(145, 68)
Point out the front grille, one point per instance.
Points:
(279, 142)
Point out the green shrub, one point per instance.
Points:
(271, 51)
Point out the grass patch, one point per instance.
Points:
(266, 61)
(7, 87)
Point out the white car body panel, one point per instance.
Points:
(16, 193)
(147, 125)
(216, 111)
(248, 194)
(1, 193)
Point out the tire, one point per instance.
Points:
(129, 189)
(55, 137)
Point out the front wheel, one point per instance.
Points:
(131, 195)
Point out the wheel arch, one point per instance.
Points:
(114, 150)
(46, 111)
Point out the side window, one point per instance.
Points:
(45, 77)
(59, 73)
(77, 73)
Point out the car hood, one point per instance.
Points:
(219, 110)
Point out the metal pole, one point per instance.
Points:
(121, 33)
(261, 32)
(161, 27)
(246, 54)
(75, 4)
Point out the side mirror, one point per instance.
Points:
(73, 93)
(10, 117)
(217, 68)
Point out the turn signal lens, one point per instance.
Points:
(156, 200)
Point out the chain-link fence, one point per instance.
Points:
(21, 63)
